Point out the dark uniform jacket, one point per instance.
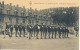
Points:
(23, 27)
(20, 28)
(29, 28)
(16, 27)
(49, 29)
(11, 28)
(45, 28)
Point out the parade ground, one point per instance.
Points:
(23, 43)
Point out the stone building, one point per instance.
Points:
(12, 14)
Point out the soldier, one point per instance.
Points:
(55, 30)
(63, 31)
(52, 29)
(11, 29)
(29, 27)
(67, 31)
(41, 29)
(49, 31)
(77, 30)
(45, 30)
(7, 29)
(23, 27)
(59, 32)
(20, 30)
(37, 30)
(16, 29)
(34, 29)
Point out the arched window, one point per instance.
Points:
(22, 13)
(8, 11)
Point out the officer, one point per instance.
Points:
(23, 27)
(20, 30)
(45, 30)
(55, 30)
(49, 31)
(52, 29)
(16, 29)
(59, 32)
(11, 29)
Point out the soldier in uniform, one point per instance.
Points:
(11, 29)
(16, 29)
(29, 28)
(45, 30)
(34, 29)
(23, 27)
(41, 30)
(55, 30)
(52, 29)
(37, 28)
(67, 31)
(63, 31)
(20, 30)
(59, 32)
(49, 31)
(7, 29)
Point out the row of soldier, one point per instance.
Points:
(43, 29)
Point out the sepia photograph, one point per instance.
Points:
(39, 24)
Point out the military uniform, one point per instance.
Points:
(16, 29)
(63, 31)
(41, 30)
(7, 29)
(37, 30)
(20, 30)
(29, 29)
(59, 32)
(11, 30)
(49, 31)
(67, 31)
(34, 29)
(23, 27)
(55, 30)
(52, 29)
(45, 30)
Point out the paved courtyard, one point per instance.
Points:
(24, 43)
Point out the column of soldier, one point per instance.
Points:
(38, 30)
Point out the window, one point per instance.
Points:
(23, 20)
(8, 12)
(16, 12)
(17, 20)
(29, 21)
(10, 19)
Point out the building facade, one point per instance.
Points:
(20, 15)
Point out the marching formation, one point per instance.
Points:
(37, 31)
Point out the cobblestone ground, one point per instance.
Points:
(23, 43)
